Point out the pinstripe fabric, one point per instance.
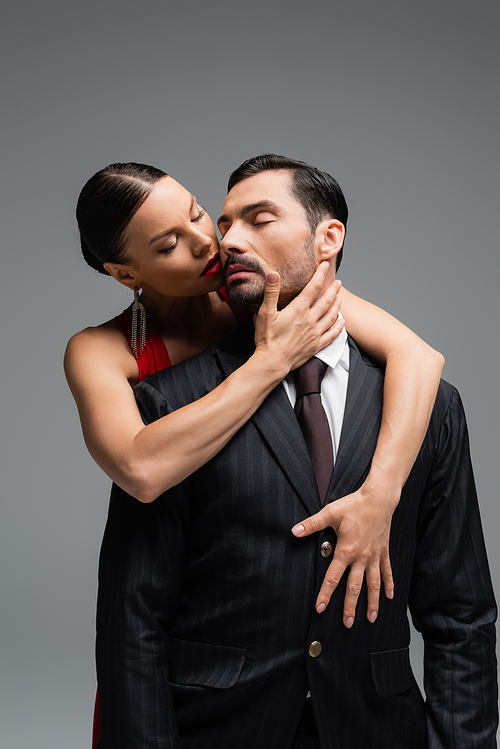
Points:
(206, 601)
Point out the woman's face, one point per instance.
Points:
(171, 244)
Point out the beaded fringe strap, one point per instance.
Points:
(138, 326)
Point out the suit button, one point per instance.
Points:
(315, 649)
(326, 549)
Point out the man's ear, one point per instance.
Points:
(330, 236)
(124, 274)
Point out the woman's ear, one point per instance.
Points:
(124, 274)
(331, 233)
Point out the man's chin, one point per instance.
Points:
(243, 294)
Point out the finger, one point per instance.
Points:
(331, 315)
(332, 333)
(386, 572)
(353, 589)
(332, 578)
(373, 584)
(318, 522)
(324, 303)
(313, 287)
(271, 294)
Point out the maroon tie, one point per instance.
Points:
(313, 421)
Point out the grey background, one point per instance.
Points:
(398, 100)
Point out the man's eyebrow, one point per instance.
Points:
(242, 212)
(170, 231)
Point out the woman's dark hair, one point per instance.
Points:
(105, 206)
(318, 193)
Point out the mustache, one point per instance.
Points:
(246, 262)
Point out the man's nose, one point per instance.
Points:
(231, 243)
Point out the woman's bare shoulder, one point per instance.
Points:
(103, 346)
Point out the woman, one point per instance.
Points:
(140, 226)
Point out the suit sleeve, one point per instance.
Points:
(451, 598)
(140, 584)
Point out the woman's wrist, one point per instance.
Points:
(270, 364)
(382, 488)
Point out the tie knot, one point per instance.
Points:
(308, 377)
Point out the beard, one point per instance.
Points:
(249, 292)
(243, 292)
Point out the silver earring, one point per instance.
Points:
(138, 325)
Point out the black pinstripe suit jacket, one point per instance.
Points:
(206, 601)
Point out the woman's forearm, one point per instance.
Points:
(411, 382)
(170, 449)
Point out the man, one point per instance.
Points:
(223, 607)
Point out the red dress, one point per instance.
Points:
(154, 357)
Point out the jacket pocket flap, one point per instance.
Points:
(391, 671)
(204, 664)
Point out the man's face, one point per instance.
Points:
(265, 229)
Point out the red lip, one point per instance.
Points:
(213, 267)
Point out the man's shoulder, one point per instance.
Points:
(445, 395)
(447, 404)
(191, 379)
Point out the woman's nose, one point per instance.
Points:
(202, 243)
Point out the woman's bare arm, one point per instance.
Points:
(362, 520)
(146, 461)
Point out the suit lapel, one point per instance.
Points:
(361, 425)
(276, 422)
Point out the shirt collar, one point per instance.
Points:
(331, 354)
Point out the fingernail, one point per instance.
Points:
(298, 530)
(373, 616)
(391, 594)
(321, 608)
(339, 282)
(349, 622)
(273, 278)
(327, 264)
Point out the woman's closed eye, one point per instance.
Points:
(198, 217)
(166, 250)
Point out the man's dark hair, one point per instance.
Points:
(318, 193)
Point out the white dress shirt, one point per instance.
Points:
(333, 385)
